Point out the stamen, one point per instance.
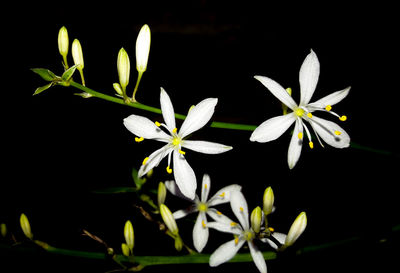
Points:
(233, 224)
(271, 229)
(311, 144)
(203, 224)
(236, 240)
(145, 161)
(343, 118)
(169, 170)
(309, 115)
(338, 133)
(205, 186)
(181, 152)
(139, 139)
(241, 209)
(157, 124)
(222, 195)
(175, 130)
(300, 135)
(219, 213)
(328, 108)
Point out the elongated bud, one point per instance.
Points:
(129, 235)
(178, 243)
(256, 219)
(63, 44)
(168, 219)
(296, 229)
(161, 194)
(25, 226)
(143, 48)
(125, 250)
(124, 68)
(3, 230)
(118, 88)
(268, 201)
(77, 54)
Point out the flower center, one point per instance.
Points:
(176, 141)
(248, 235)
(299, 112)
(202, 207)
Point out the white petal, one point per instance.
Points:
(198, 116)
(226, 227)
(280, 237)
(200, 232)
(258, 257)
(173, 188)
(331, 99)
(295, 144)
(278, 91)
(239, 208)
(154, 159)
(223, 195)
(225, 252)
(205, 147)
(218, 216)
(326, 130)
(308, 77)
(184, 176)
(167, 110)
(272, 128)
(143, 127)
(205, 187)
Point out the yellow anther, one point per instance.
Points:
(309, 115)
(236, 240)
(343, 118)
(241, 209)
(181, 152)
(205, 186)
(176, 141)
(169, 170)
(203, 224)
(328, 108)
(157, 124)
(338, 133)
(175, 130)
(219, 213)
(145, 161)
(271, 229)
(311, 144)
(300, 135)
(233, 224)
(222, 195)
(139, 139)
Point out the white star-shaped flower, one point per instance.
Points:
(175, 140)
(243, 233)
(329, 131)
(201, 205)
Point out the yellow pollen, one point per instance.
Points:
(309, 115)
(139, 139)
(236, 240)
(300, 135)
(145, 161)
(218, 212)
(233, 224)
(175, 130)
(157, 124)
(203, 224)
(169, 170)
(328, 108)
(176, 141)
(343, 118)
(338, 133)
(311, 144)
(271, 229)
(241, 209)
(299, 112)
(222, 195)
(181, 152)
(205, 186)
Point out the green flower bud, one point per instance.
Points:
(125, 250)
(129, 235)
(296, 229)
(124, 68)
(77, 54)
(168, 219)
(3, 230)
(63, 44)
(255, 219)
(268, 201)
(161, 194)
(143, 48)
(25, 226)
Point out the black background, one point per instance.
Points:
(58, 148)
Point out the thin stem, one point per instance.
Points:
(136, 86)
(82, 77)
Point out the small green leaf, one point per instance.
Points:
(138, 181)
(66, 76)
(46, 74)
(115, 190)
(42, 88)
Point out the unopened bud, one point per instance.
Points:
(125, 249)
(268, 201)
(117, 88)
(296, 229)
(77, 54)
(3, 230)
(161, 194)
(63, 44)
(124, 68)
(143, 48)
(129, 235)
(168, 219)
(256, 219)
(25, 226)
(178, 243)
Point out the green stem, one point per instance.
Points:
(136, 86)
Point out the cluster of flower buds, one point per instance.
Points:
(129, 234)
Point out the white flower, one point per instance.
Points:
(243, 233)
(175, 140)
(329, 131)
(201, 205)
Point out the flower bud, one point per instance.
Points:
(178, 243)
(161, 194)
(143, 48)
(125, 250)
(268, 201)
(25, 226)
(129, 235)
(256, 219)
(296, 229)
(124, 68)
(118, 88)
(63, 44)
(77, 54)
(3, 230)
(168, 219)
